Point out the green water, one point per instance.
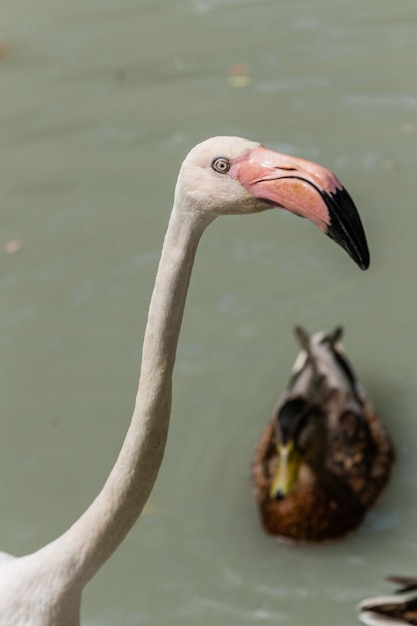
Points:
(100, 101)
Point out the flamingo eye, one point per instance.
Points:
(221, 165)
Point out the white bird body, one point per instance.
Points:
(223, 175)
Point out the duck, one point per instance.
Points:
(393, 610)
(325, 456)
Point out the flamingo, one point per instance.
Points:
(220, 176)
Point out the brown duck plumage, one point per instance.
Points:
(338, 453)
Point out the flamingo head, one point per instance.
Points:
(231, 175)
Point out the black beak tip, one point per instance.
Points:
(346, 228)
(364, 261)
(280, 495)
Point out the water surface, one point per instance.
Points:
(100, 101)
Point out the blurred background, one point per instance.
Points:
(100, 102)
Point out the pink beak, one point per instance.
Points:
(306, 189)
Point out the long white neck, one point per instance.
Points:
(97, 533)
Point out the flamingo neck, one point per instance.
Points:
(98, 532)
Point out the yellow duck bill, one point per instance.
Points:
(289, 460)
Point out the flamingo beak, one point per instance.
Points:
(306, 189)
